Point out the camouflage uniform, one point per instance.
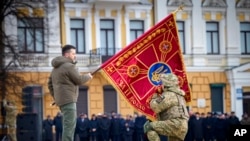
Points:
(11, 113)
(170, 108)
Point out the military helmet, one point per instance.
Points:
(169, 79)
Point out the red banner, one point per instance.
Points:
(134, 71)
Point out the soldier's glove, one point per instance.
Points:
(155, 95)
(147, 126)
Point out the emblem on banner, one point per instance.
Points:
(155, 70)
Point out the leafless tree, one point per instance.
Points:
(10, 43)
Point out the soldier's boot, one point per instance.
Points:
(170, 138)
(153, 136)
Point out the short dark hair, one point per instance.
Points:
(66, 48)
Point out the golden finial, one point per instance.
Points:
(180, 8)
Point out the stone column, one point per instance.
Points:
(53, 25)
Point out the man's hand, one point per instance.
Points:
(147, 126)
(4, 102)
(90, 75)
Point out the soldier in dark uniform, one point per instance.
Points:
(104, 124)
(47, 127)
(140, 120)
(115, 128)
(208, 124)
(93, 125)
(82, 127)
(170, 108)
(11, 113)
(58, 126)
(128, 128)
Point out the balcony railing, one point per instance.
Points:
(31, 60)
(100, 55)
(44, 60)
(105, 53)
(124, 1)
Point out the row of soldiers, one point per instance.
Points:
(104, 127)
(100, 127)
(213, 126)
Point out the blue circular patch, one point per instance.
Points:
(155, 70)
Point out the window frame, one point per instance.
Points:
(213, 33)
(76, 35)
(182, 46)
(136, 30)
(32, 27)
(106, 49)
(220, 96)
(245, 32)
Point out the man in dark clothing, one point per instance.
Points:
(208, 125)
(104, 124)
(190, 132)
(220, 128)
(93, 128)
(140, 120)
(82, 127)
(58, 126)
(115, 128)
(197, 127)
(233, 119)
(47, 129)
(128, 129)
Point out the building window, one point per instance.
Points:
(110, 99)
(82, 102)
(245, 37)
(107, 29)
(217, 97)
(212, 38)
(136, 29)
(30, 35)
(77, 33)
(181, 32)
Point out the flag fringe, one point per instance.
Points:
(182, 59)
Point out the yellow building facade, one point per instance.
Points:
(219, 82)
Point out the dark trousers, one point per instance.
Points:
(116, 138)
(58, 136)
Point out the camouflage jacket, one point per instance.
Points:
(170, 104)
(11, 113)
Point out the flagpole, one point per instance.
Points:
(180, 8)
(92, 73)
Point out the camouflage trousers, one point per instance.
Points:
(175, 129)
(12, 133)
